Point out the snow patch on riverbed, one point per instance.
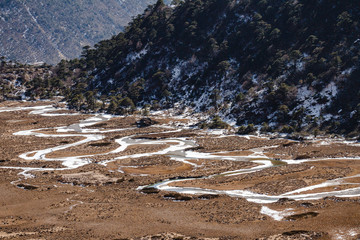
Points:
(276, 215)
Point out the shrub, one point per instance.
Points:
(249, 129)
(265, 128)
(217, 123)
(287, 129)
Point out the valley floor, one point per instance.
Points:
(65, 175)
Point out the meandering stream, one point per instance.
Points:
(177, 152)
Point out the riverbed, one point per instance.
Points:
(175, 165)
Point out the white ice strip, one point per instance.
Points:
(354, 176)
(260, 198)
(45, 110)
(172, 150)
(93, 119)
(12, 109)
(263, 165)
(69, 162)
(74, 205)
(59, 114)
(48, 112)
(202, 155)
(276, 215)
(297, 161)
(103, 131)
(123, 145)
(64, 130)
(251, 196)
(199, 155)
(177, 152)
(319, 159)
(354, 232)
(335, 182)
(40, 154)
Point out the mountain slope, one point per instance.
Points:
(48, 31)
(289, 66)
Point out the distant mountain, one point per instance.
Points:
(286, 66)
(50, 30)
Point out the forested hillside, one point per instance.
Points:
(18, 80)
(50, 30)
(288, 66)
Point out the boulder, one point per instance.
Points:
(145, 122)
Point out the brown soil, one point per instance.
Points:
(181, 134)
(159, 166)
(306, 150)
(235, 153)
(143, 148)
(155, 170)
(52, 132)
(33, 164)
(117, 123)
(96, 147)
(233, 143)
(130, 150)
(169, 120)
(136, 131)
(130, 121)
(24, 104)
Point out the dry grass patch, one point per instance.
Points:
(306, 150)
(91, 148)
(181, 134)
(158, 170)
(116, 123)
(235, 153)
(234, 143)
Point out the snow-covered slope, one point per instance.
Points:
(287, 65)
(51, 30)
